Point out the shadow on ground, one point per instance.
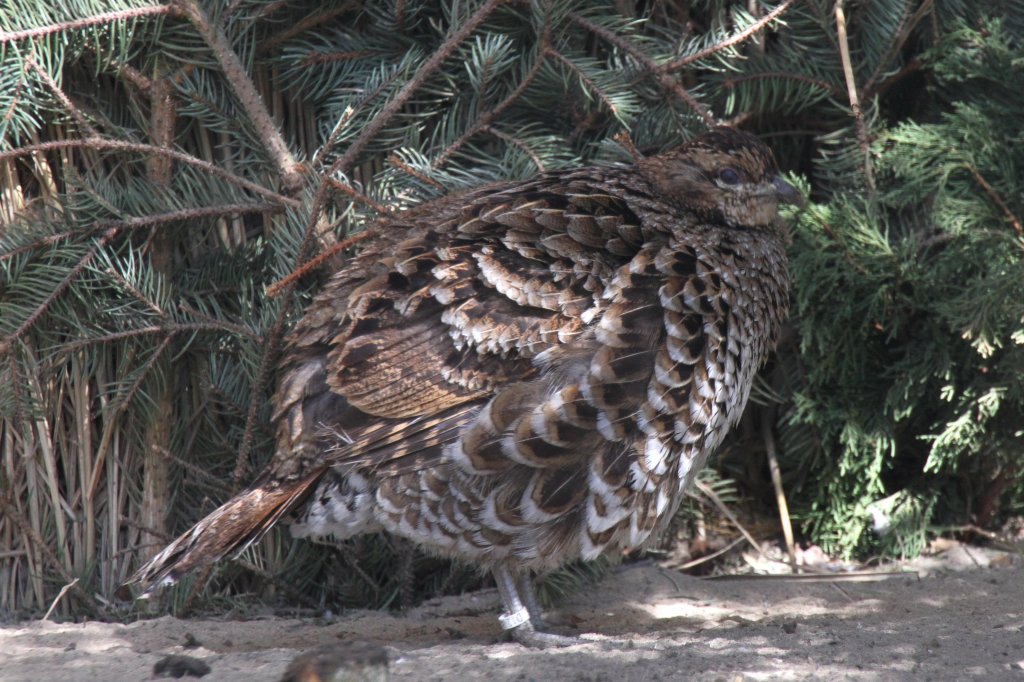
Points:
(647, 623)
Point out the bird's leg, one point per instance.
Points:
(528, 595)
(522, 614)
(516, 614)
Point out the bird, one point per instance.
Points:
(525, 373)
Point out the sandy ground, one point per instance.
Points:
(958, 616)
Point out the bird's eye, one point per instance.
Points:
(729, 176)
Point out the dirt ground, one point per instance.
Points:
(959, 615)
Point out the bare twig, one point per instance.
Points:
(409, 170)
(851, 88)
(991, 192)
(710, 557)
(706, 490)
(277, 287)
(780, 493)
(60, 595)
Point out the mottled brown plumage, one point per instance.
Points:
(526, 373)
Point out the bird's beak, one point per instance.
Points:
(786, 193)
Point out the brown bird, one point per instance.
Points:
(527, 373)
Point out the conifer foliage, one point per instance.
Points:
(177, 177)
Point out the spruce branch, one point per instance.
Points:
(271, 345)
(134, 292)
(357, 195)
(587, 80)
(743, 35)
(86, 22)
(732, 81)
(412, 172)
(278, 287)
(30, 321)
(139, 222)
(307, 23)
(907, 26)
(165, 329)
(485, 118)
(61, 96)
(517, 143)
(419, 78)
(210, 323)
(667, 81)
(994, 196)
(101, 143)
(251, 101)
(122, 405)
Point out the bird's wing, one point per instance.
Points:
(447, 305)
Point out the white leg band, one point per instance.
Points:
(513, 620)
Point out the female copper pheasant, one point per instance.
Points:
(526, 373)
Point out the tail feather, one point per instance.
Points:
(227, 530)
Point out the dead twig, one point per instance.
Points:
(279, 286)
(991, 192)
(780, 494)
(851, 89)
(60, 595)
(706, 490)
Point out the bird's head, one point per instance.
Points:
(725, 175)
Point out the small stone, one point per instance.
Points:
(191, 642)
(789, 626)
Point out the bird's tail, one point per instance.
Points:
(227, 530)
